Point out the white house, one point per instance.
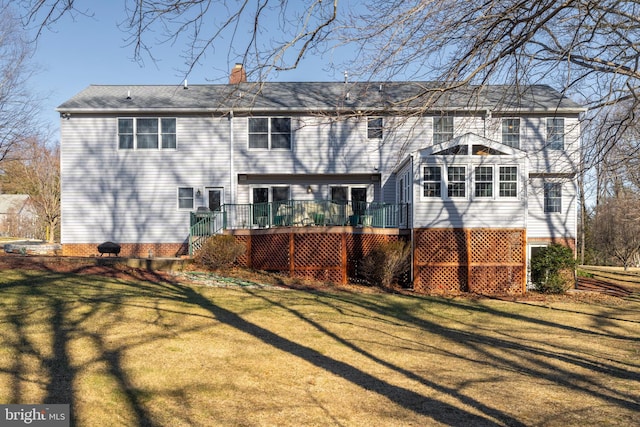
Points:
(18, 217)
(137, 161)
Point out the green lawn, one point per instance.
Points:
(125, 352)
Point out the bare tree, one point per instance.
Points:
(588, 48)
(34, 169)
(616, 231)
(18, 107)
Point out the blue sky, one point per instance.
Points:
(83, 50)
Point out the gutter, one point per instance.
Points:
(354, 109)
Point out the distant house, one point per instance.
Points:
(476, 180)
(18, 217)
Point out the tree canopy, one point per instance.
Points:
(586, 48)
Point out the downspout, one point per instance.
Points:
(527, 192)
(232, 191)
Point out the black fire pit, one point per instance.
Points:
(109, 248)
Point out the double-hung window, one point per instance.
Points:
(511, 132)
(442, 129)
(508, 181)
(270, 132)
(483, 181)
(456, 181)
(146, 133)
(432, 181)
(552, 197)
(185, 198)
(555, 133)
(374, 128)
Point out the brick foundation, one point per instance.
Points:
(136, 250)
(564, 241)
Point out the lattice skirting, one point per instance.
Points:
(484, 261)
(327, 256)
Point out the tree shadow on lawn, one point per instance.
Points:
(533, 352)
(61, 372)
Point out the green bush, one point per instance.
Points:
(219, 251)
(386, 263)
(552, 269)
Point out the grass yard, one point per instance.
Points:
(164, 353)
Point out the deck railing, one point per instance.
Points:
(297, 213)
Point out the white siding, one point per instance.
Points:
(131, 196)
(470, 212)
(555, 224)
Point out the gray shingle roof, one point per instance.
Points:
(316, 96)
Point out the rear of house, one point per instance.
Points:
(474, 170)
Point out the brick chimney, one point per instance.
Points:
(238, 75)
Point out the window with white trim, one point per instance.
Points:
(374, 127)
(511, 132)
(483, 181)
(508, 181)
(270, 132)
(442, 129)
(185, 198)
(555, 133)
(147, 133)
(432, 181)
(456, 181)
(552, 197)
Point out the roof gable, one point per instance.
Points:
(470, 144)
(12, 202)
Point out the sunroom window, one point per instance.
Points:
(508, 181)
(483, 181)
(456, 181)
(432, 181)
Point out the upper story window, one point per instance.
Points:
(552, 197)
(146, 133)
(555, 133)
(432, 181)
(442, 129)
(374, 128)
(270, 132)
(511, 132)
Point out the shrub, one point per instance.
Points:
(386, 263)
(219, 251)
(552, 269)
